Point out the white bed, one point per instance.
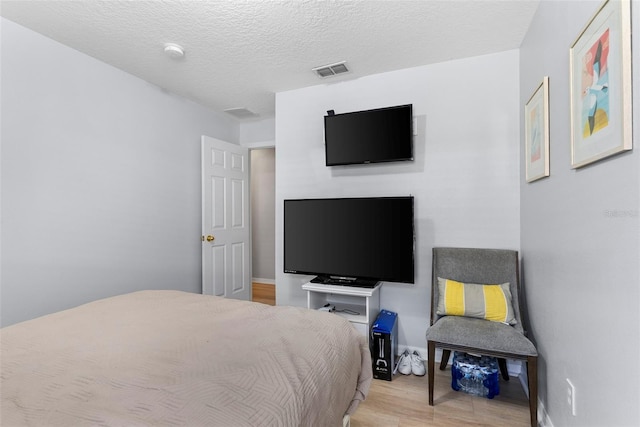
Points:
(176, 358)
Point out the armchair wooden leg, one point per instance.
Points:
(532, 373)
(502, 363)
(431, 355)
(445, 359)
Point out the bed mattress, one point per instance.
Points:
(176, 358)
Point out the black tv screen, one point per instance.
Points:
(357, 241)
(372, 136)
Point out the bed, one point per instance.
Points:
(177, 358)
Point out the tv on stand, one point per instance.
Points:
(350, 241)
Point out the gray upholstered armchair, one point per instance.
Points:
(477, 335)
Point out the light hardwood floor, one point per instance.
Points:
(264, 293)
(403, 402)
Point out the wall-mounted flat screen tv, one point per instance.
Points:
(372, 136)
(350, 241)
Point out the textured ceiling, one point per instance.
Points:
(240, 53)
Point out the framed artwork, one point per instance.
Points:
(536, 133)
(600, 67)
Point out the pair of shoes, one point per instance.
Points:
(404, 363)
(417, 364)
(411, 363)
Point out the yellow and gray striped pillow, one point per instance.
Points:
(490, 302)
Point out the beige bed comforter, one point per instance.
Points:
(175, 358)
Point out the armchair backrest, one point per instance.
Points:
(482, 266)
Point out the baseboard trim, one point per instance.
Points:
(514, 367)
(263, 281)
(543, 416)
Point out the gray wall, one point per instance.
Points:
(464, 176)
(580, 238)
(263, 211)
(100, 180)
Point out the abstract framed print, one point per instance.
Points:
(600, 67)
(536, 133)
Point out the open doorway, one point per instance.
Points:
(263, 223)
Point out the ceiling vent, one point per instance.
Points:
(241, 113)
(331, 69)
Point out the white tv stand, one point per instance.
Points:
(360, 306)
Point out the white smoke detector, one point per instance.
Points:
(174, 50)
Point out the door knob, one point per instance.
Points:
(210, 238)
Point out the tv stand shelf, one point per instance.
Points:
(360, 306)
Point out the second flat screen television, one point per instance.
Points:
(352, 241)
(372, 136)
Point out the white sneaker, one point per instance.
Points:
(404, 363)
(417, 364)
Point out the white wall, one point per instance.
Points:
(464, 176)
(259, 136)
(258, 133)
(263, 211)
(100, 179)
(581, 244)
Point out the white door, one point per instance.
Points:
(226, 246)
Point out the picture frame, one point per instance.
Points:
(536, 128)
(600, 83)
